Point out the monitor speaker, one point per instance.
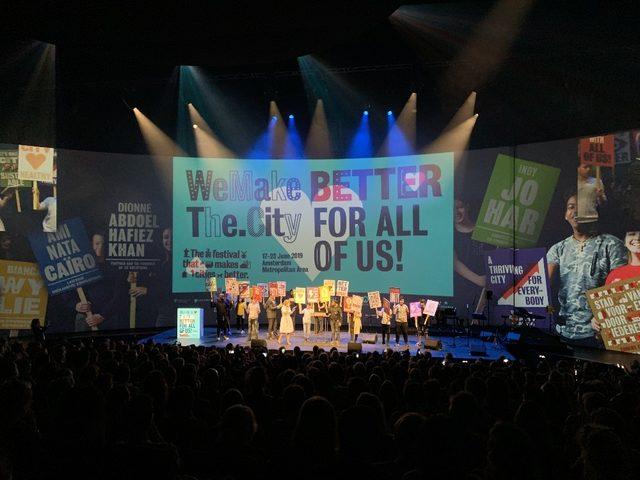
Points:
(430, 344)
(354, 347)
(258, 343)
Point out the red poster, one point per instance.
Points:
(599, 151)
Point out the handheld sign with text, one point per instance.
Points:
(342, 288)
(35, 163)
(65, 257)
(273, 289)
(244, 290)
(9, 169)
(211, 284)
(282, 289)
(431, 308)
(516, 202)
(22, 295)
(332, 286)
(299, 295)
(374, 299)
(599, 151)
(324, 294)
(231, 286)
(265, 289)
(256, 293)
(313, 295)
(394, 295)
(415, 310)
(347, 304)
(190, 325)
(356, 303)
(616, 308)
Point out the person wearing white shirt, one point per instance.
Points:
(50, 222)
(254, 313)
(307, 314)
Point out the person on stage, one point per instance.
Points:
(272, 309)
(583, 262)
(253, 310)
(307, 315)
(357, 324)
(349, 311)
(222, 317)
(286, 322)
(421, 323)
(401, 311)
(632, 268)
(335, 318)
(385, 314)
(241, 314)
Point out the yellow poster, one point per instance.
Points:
(24, 296)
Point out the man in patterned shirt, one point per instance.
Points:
(583, 262)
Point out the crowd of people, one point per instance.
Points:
(109, 408)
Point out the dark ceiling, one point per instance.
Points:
(572, 69)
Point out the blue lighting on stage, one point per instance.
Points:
(262, 146)
(361, 145)
(293, 146)
(396, 141)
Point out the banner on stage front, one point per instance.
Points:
(35, 163)
(415, 309)
(616, 308)
(23, 296)
(516, 202)
(65, 257)
(190, 324)
(342, 288)
(374, 299)
(299, 295)
(366, 220)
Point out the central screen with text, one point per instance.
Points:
(375, 222)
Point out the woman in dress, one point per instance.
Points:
(286, 323)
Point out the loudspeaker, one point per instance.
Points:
(432, 344)
(354, 347)
(478, 350)
(258, 343)
(369, 338)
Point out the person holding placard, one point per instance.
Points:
(583, 262)
(253, 310)
(401, 311)
(241, 314)
(307, 315)
(357, 324)
(335, 317)
(3, 202)
(272, 309)
(385, 314)
(286, 322)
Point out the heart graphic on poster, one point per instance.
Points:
(298, 226)
(36, 160)
(196, 266)
(414, 179)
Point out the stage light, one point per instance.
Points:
(274, 118)
(318, 140)
(365, 113)
(389, 112)
(207, 143)
(291, 117)
(401, 133)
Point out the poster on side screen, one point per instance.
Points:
(23, 295)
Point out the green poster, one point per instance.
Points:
(9, 169)
(516, 203)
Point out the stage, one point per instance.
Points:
(460, 347)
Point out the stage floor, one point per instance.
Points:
(460, 347)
